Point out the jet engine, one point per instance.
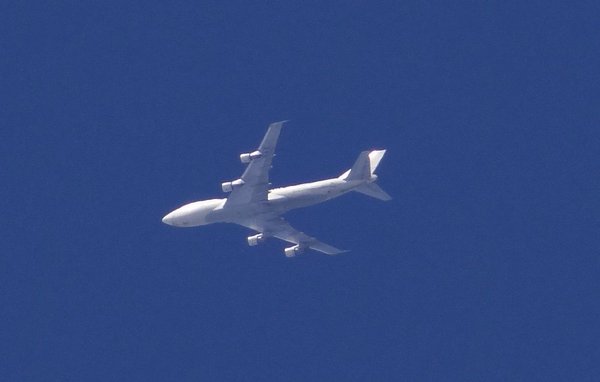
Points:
(248, 157)
(230, 186)
(293, 251)
(255, 240)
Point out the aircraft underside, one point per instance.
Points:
(252, 204)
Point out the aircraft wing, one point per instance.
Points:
(256, 176)
(276, 226)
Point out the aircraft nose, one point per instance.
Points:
(168, 219)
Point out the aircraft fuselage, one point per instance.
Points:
(252, 205)
(280, 200)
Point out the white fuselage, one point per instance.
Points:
(280, 200)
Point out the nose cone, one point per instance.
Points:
(168, 219)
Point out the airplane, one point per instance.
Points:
(253, 204)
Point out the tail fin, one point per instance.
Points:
(365, 166)
(364, 169)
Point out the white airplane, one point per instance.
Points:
(253, 205)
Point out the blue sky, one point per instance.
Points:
(483, 267)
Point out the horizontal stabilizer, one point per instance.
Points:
(374, 191)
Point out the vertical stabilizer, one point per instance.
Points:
(365, 165)
(360, 170)
(375, 157)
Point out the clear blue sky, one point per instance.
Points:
(483, 267)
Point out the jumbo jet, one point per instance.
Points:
(253, 204)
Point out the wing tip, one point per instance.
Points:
(341, 251)
(331, 251)
(280, 123)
